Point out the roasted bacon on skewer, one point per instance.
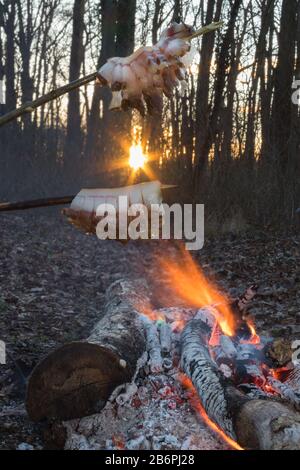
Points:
(141, 80)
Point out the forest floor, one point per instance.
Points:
(53, 280)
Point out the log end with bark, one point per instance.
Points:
(77, 379)
(74, 381)
(268, 425)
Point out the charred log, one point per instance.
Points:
(254, 423)
(78, 378)
(207, 379)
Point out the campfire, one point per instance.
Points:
(141, 362)
(259, 366)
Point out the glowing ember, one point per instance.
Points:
(137, 159)
(196, 404)
(215, 336)
(190, 283)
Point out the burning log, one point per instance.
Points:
(207, 379)
(254, 423)
(78, 378)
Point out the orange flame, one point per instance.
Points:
(149, 312)
(255, 339)
(190, 283)
(196, 404)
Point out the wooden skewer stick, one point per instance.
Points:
(22, 205)
(51, 201)
(52, 95)
(206, 29)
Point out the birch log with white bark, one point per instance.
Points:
(77, 379)
(253, 423)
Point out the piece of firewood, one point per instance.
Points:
(205, 375)
(78, 378)
(254, 424)
(153, 345)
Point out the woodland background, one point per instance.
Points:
(231, 142)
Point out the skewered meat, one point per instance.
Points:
(147, 74)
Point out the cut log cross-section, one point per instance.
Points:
(78, 378)
(253, 423)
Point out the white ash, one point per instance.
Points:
(159, 416)
(152, 412)
(130, 391)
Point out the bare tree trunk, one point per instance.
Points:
(74, 138)
(222, 65)
(118, 128)
(266, 92)
(153, 124)
(282, 111)
(2, 67)
(108, 49)
(231, 91)
(258, 73)
(10, 96)
(8, 144)
(25, 41)
(177, 12)
(293, 170)
(202, 94)
(155, 21)
(284, 74)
